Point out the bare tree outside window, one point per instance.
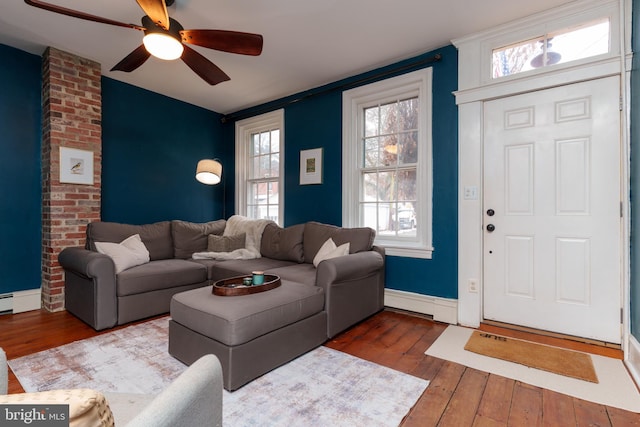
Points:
(389, 167)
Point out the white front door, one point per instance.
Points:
(552, 234)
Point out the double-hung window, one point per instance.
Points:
(387, 169)
(260, 166)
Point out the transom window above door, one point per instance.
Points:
(558, 47)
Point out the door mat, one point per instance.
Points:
(551, 359)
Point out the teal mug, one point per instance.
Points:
(258, 277)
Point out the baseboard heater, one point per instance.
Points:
(6, 303)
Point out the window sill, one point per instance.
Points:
(424, 253)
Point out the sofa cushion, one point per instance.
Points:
(239, 319)
(190, 237)
(226, 243)
(283, 243)
(126, 254)
(161, 274)
(315, 234)
(156, 237)
(301, 273)
(219, 269)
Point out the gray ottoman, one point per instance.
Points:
(250, 334)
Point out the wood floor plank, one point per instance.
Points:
(357, 332)
(590, 414)
(526, 406)
(430, 332)
(428, 368)
(481, 421)
(496, 399)
(557, 409)
(463, 405)
(395, 356)
(438, 394)
(622, 418)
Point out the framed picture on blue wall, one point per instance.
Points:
(76, 166)
(311, 166)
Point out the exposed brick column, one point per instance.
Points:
(71, 117)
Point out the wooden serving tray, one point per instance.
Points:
(234, 287)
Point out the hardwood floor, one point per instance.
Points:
(457, 395)
(461, 396)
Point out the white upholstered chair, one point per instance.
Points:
(193, 399)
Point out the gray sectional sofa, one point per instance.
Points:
(103, 299)
(312, 305)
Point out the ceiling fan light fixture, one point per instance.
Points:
(161, 43)
(163, 46)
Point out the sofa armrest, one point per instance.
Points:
(353, 286)
(192, 399)
(348, 267)
(87, 263)
(90, 286)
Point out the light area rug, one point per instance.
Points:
(324, 387)
(615, 387)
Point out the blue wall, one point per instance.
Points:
(316, 121)
(635, 174)
(20, 194)
(150, 147)
(152, 143)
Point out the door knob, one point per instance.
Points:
(490, 227)
(491, 212)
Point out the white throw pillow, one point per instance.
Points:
(329, 250)
(126, 254)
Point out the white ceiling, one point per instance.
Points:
(306, 43)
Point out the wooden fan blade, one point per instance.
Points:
(157, 11)
(226, 41)
(206, 69)
(133, 60)
(80, 15)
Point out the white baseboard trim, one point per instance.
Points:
(26, 300)
(632, 359)
(6, 303)
(442, 309)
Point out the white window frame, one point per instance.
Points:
(417, 83)
(244, 129)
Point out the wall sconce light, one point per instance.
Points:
(209, 171)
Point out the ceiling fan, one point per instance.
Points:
(166, 39)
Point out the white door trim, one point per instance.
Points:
(470, 147)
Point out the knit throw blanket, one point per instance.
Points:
(237, 224)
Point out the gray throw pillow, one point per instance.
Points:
(156, 237)
(316, 233)
(190, 237)
(283, 243)
(226, 243)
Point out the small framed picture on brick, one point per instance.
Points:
(76, 166)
